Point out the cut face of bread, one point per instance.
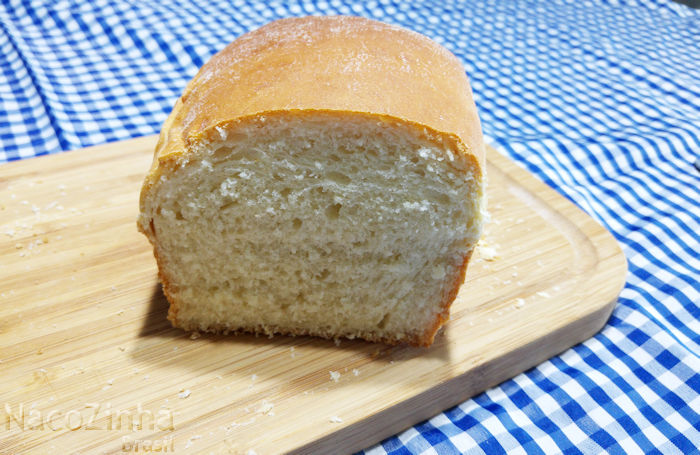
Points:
(335, 224)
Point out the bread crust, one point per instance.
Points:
(337, 65)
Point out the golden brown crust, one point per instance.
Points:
(411, 339)
(332, 63)
(338, 65)
(426, 339)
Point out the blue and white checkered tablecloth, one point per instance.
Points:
(600, 99)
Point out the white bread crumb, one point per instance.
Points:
(266, 408)
(488, 253)
(373, 217)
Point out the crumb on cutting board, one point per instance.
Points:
(266, 408)
(191, 440)
(487, 252)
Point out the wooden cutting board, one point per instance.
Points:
(88, 356)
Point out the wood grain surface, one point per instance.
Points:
(90, 365)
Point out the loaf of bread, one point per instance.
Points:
(318, 176)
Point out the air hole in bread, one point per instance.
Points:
(221, 154)
(333, 211)
(437, 197)
(229, 204)
(338, 177)
(385, 320)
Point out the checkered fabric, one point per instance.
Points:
(600, 99)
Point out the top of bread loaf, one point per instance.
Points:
(336, 63)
